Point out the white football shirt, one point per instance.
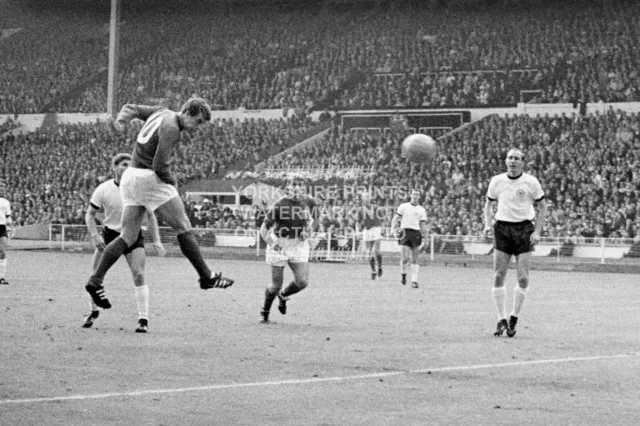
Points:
(106, 197)
(5, 210)
(515, 197)
(411, 216)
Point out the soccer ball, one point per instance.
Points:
(419, 148)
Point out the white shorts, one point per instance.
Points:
(373, 234)
(142, 187)
(291, 251)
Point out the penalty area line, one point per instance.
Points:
(313, 380)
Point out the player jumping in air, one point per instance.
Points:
(149, 185)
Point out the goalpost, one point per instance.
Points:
(114, 52)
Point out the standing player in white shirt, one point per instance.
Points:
(411, 218)
(106, 198)
(516, 193)
(5, 231)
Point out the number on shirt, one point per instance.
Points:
(149, 128)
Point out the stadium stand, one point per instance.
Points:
(51, 172)
(590, 167)
(307, 57)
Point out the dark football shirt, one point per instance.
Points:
(156, 140)
(368, 216)
(290, 216)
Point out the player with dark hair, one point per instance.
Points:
(516, 194)
(368, 221)
(106, 200)
(5, 232)
(149, 185)
(410, 224)
(286, 229)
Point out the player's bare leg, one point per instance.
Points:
(95, 313)
(523, 262)
(499, 292)
(131, 222)
(372, 258)
(173, 213)
(277, 278)
(136, 260)
(300, 282)
(378, 256)
(405, 262)
(4, 242)
(415, 266)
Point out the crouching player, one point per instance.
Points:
(286, 230)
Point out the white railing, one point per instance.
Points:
(74, 237)
(320, 172)
(349, 246)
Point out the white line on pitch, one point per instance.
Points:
(82, 295)
(312, 380)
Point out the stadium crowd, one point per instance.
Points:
(50, 173)
(378, 57)
(589, 167)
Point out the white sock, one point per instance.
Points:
(499, 298)
(3, 268)
(94, 307)
(519, 294)
(414, 272)
(142, 301)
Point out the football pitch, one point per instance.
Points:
(350, 351)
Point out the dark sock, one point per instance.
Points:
(110, 256)
(191, 250)
(372, 262)
(268, 300)
(291, 289)
(379, 259)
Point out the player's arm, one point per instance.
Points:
(308, 229)
(130, 112)
(489, 206)
(7, 215)
(90, 221)
(168, 138)
(395, 222)
(269, 237)
(268, 223)
(541, 214)
(488, 215)
(311, 220)
(423, 228)
(425, 233)
(9, 224)
(154, 230)
(264, 232)
(359, 218)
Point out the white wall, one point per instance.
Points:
(32, 121)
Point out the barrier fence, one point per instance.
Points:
(326, 246)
